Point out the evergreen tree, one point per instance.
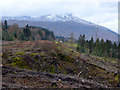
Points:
(53, 36)
(79, 40)
(91, 45)
(102, 43)
(109, 47)
(5, 25)
(2, 25)
(22, 37)
(15, 34)
(114, 50)
(27, 32)
(81, 43)
(96, 49)
(86, 44)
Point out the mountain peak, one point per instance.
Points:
(50, 18)
(58, 17)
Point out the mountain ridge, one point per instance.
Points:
(65, 23)
(50, 18)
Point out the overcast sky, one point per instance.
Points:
(102, 12)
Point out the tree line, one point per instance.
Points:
(27, 33)
(98, 47)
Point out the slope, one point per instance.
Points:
(57, 58)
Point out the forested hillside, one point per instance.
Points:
(28, 33)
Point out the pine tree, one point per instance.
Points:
(22, 36)
(2, 25)
(114, 50)
(102, 47)
(79, 40)
(27, 32)
(81, 43)
(109, 47)
(96, 49)
(5, 25)
(91, 45)
(86, 44)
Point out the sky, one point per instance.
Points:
(102, 12)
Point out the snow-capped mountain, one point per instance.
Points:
(64, 24)
(50, 18)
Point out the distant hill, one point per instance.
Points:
(63, 25)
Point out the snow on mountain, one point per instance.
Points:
(50, 18)
(66, 23)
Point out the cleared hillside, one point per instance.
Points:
(55, 58)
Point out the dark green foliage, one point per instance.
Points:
(27, 32)
(22, 37)
(81, 43)
(7, 36)
(114, 50)
(15, 34)
(102, 47)
(91, 45)
(99, 47)
(4, 25)
(109, 46)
